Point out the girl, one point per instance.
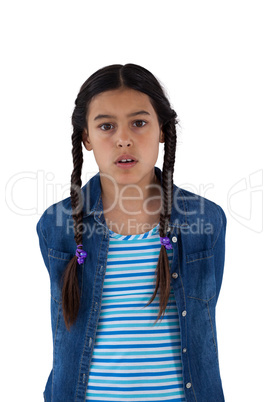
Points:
(128, 248)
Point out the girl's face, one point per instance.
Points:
(123, 121)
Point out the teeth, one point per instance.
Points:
(125, 160)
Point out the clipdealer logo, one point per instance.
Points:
(29, 193)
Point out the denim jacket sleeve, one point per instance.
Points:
(219, 251)
(42, 242)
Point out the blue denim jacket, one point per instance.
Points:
(197, 232)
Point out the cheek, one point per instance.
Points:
(103, 150)
(102, 143)
(151, 140)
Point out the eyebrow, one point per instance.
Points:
(107, 116)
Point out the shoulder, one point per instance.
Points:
(196, 204)
(56, 213)
(201, 216)
(56, 224)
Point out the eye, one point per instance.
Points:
(105, 125)
(140, 123)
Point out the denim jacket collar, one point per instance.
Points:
(93, 201)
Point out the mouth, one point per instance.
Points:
(126, 164)
(126, 161)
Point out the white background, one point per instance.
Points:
(211, 56)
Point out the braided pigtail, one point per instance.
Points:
(70, 289)
(163, 270)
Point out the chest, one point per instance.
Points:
(128, 224)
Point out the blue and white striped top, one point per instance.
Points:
(133, 359)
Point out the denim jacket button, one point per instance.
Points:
(184, 313)
(174, 275)
(188, 385)
(184, 350)
(174, 239)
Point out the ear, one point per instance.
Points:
(86, 140)
(161, 137)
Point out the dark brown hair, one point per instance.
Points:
(109, 78)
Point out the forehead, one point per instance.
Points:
(119, 101)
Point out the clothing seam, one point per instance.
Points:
(184, 204)
(212, 331)
(219, 229)
(55, 299)
(42, 231)
(85, 339)
(89, 320)
(54, 348)
(44, 239)
(186, 336)
(204, 300)
(198, 259)
(87, 326)
(82, 278)
(96, 320)
(57, 258)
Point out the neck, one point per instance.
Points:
(139, 198)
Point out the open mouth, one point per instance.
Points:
(126, 163)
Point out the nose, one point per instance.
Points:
(124, 139)
(125, 143)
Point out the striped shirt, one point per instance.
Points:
(133, 359)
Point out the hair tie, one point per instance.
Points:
(81, 254)
(166, 242)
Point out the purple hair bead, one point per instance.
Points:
(81, 254)
(166, 242)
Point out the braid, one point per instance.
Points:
(163, 270)
(76, 184)
(70, 289)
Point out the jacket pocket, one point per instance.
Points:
(201, 275)
(58, 261)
